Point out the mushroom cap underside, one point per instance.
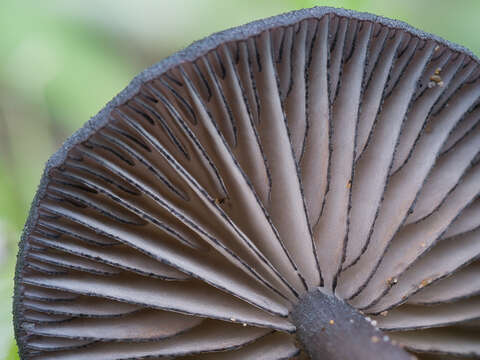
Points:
(319, 148)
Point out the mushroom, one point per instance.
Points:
(304, 186)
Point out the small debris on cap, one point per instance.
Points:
(436, 79)
(392, 281)
(425, 282)
(219, 201)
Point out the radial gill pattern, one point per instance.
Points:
(318, 148)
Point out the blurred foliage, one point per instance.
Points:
(61, 61)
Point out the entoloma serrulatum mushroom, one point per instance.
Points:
(304, 186)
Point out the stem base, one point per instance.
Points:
(330, 329)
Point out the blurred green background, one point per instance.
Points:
(61, 61)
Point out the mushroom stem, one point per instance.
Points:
(330, 329)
